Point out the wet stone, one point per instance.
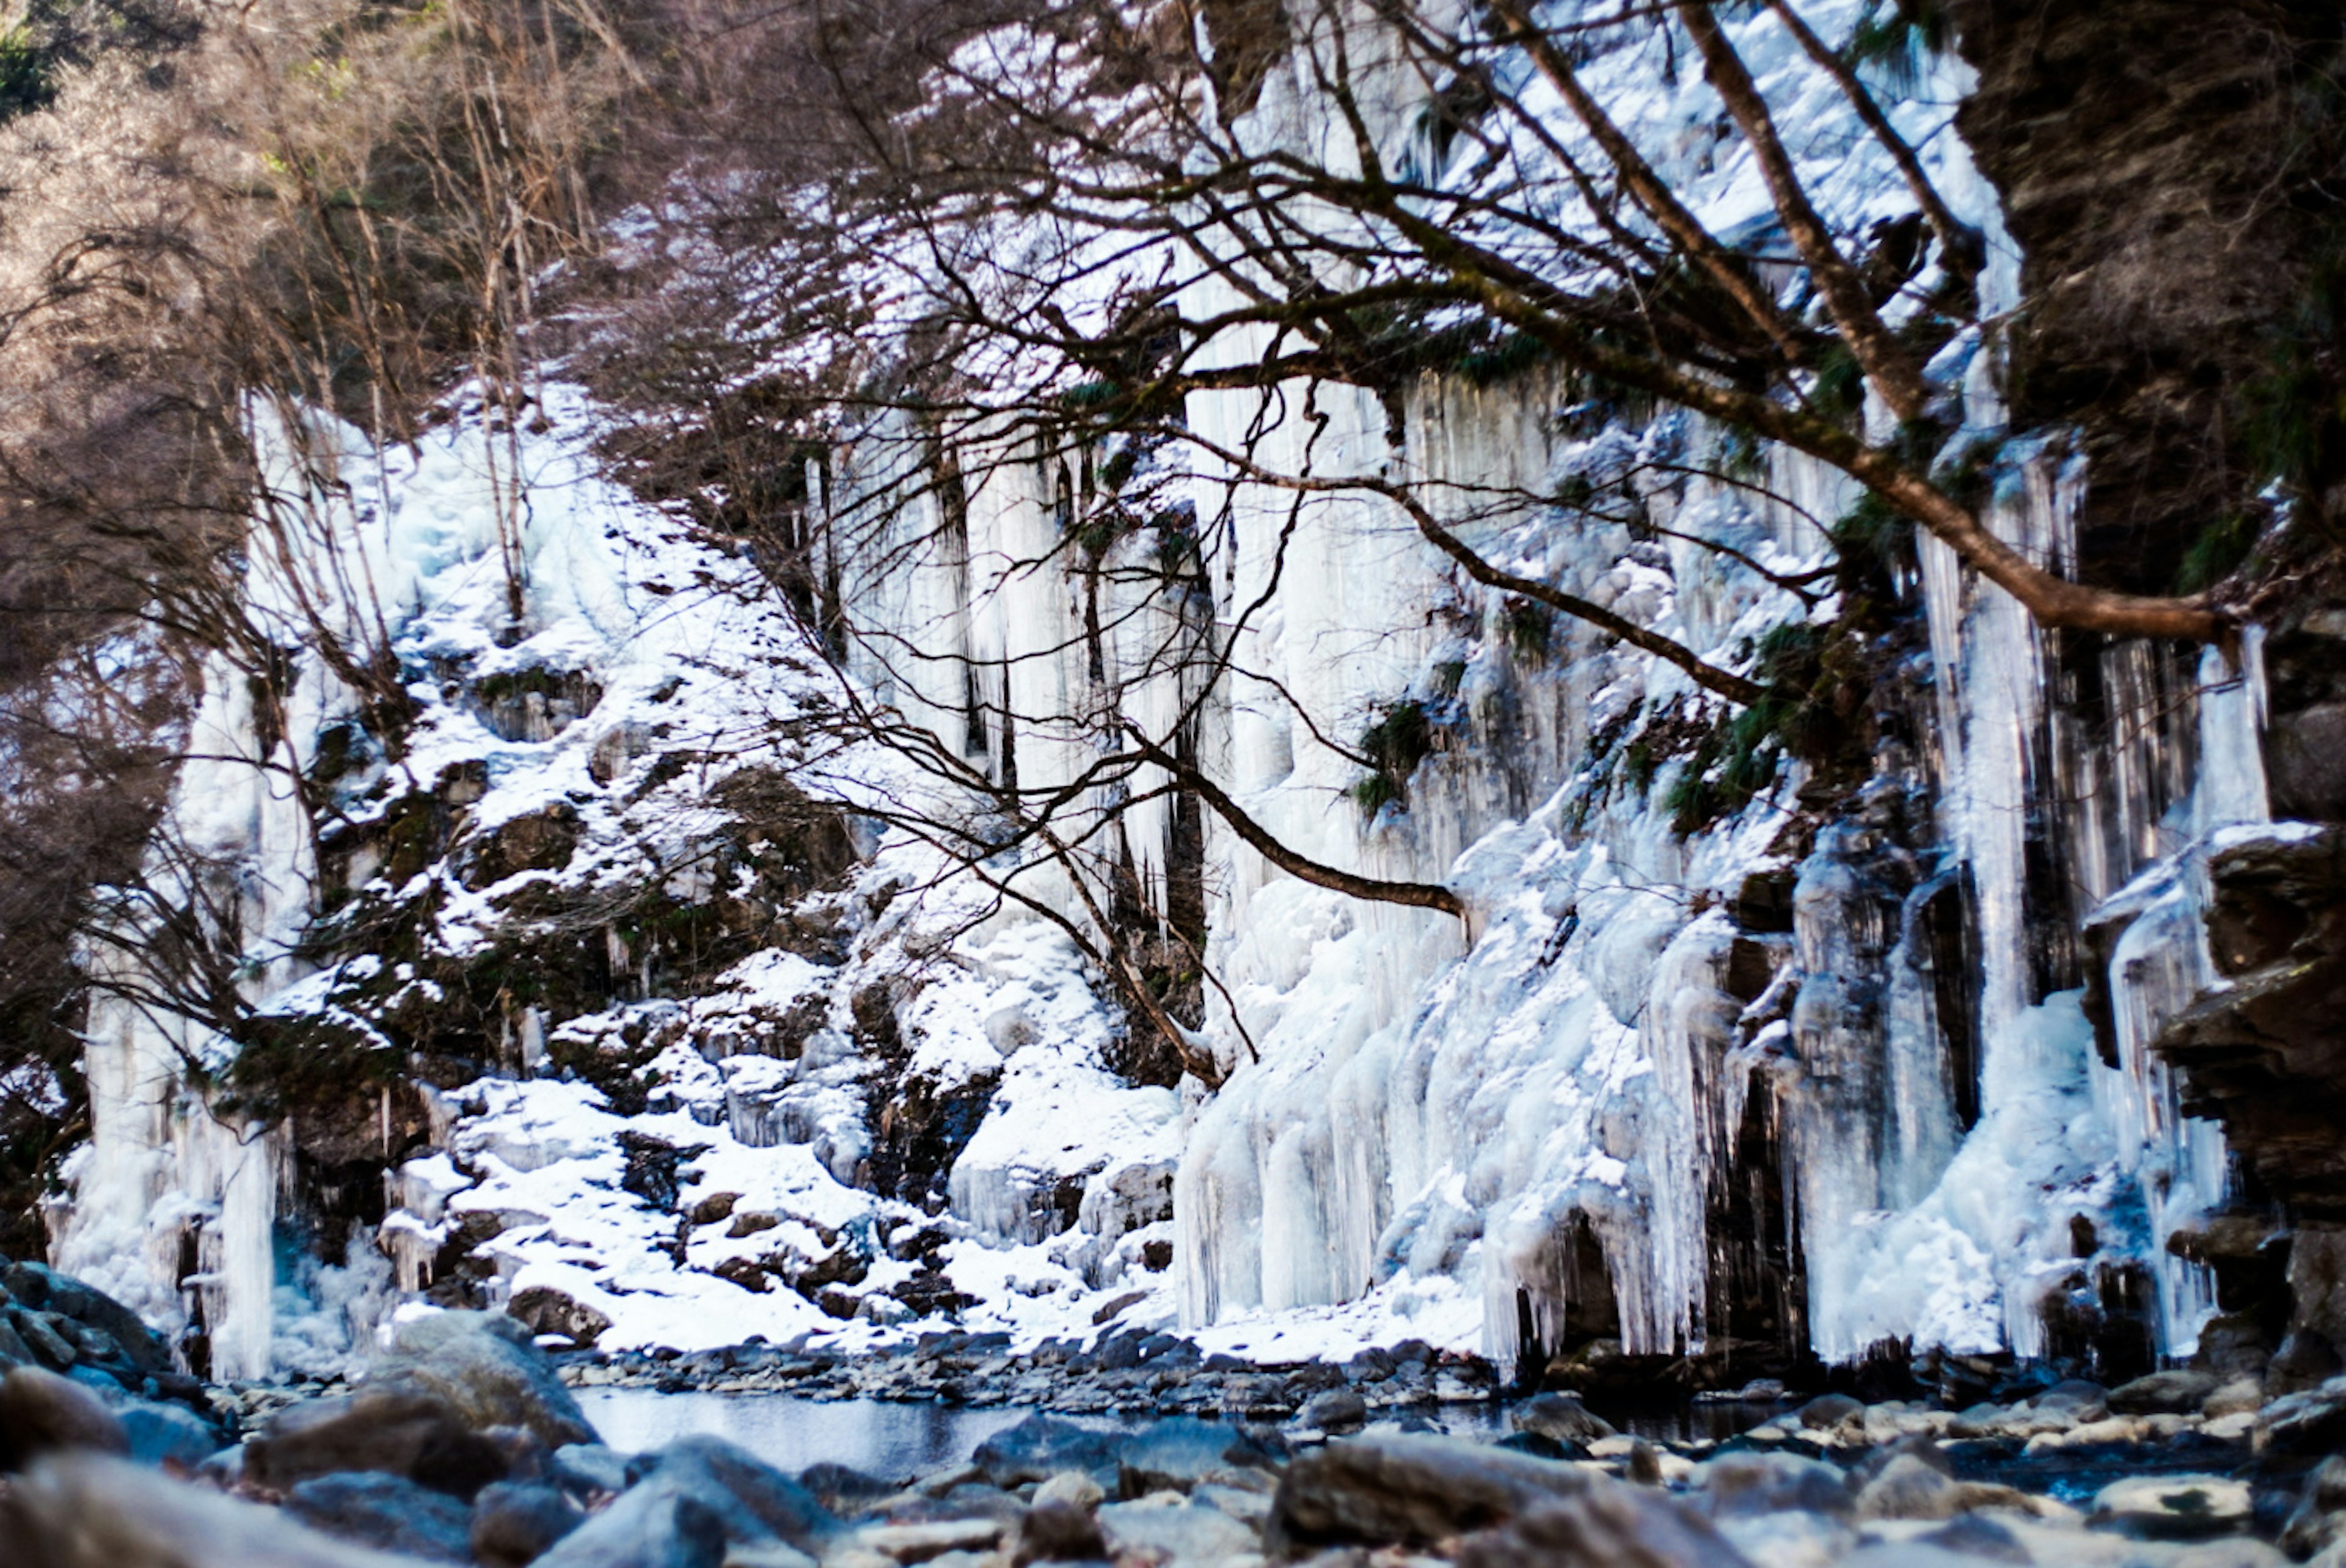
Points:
(388, 1513)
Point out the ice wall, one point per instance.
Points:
(1553, 1103)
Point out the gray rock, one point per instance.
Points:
(1412, 1490)
(1336, 1411)
(1164, 1530)
(2304, 1427)
(39, 1332)
(39, 1286)
(2177, 1392)
(1070, 1486)
(1561, 1418)
(387, 1511)
(1751, 1482)
(1176, 1455)
(1828, 1410)
(751, 1500)
(1607, 1526)
(483, 1364)
(1974, 1536)
(1910, 1487)
(224, 1470)
(1783, 1539)
(41, 1413)
(1247, 1507)
(846, 1491)
(2174, 1507)
(83, 1510)
(586, 1468)
(656, 1525)
(2306, 1359)
(514, 1524)
(1058, 1533)
(167, 1434)
(2319, 1517)
(1039, 1447)
(391, 1430)
(2075, 1397)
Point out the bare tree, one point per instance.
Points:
(949, 246)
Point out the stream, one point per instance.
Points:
(897, 1440)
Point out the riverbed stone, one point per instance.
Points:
(41, 1413)
(485, 1365)
(392, 1430)
(1177, 1454)
(1409, 1490)
(1335, 1411)
(1171, 1528)
(586, 1468)
(167, 1434)
(1039, 1447)
(2301, 1428)
(2174, 1507)
(1754, 1481)
(2174, 1393)
(1827, 1411)
(1608, 1525)
(655, 1525)
(844, 1489)
(83, 1510)
(2319, 1517)
(514, 1524)
(1072, 1487)
(751, 1498)
(388, 1512)
(1056, 1530)
(1561, 1419)
(1910, 1487)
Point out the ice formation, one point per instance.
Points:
(1527, 1130)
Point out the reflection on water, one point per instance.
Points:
(900, 1441)
(894, 1442)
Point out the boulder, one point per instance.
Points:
(1793, 1539)
(1072, 1487)
(2295, 1430)
(41, 1413)
(485, 1365)
(83, 1510)
(41, 1287)
(1829, 1411)
(2080, 1400)
(387, 1511)
(1561, 1419)
(1910, 1487)
(1336, 1411)
(391, 1430)
(586, 1467)
(1177, 1454)
(1411, 1489)
(2174, 1507)
(652, 1526)
(1172, 1529)
(517, 1523)
(2177, 1392)
(1039, 1447)
(1607, 1526)
(844, 1489)
(1057, 1531)
(167, 1434)
(750, 1499)
(1753, 1481)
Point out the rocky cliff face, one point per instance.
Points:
(579, 981)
